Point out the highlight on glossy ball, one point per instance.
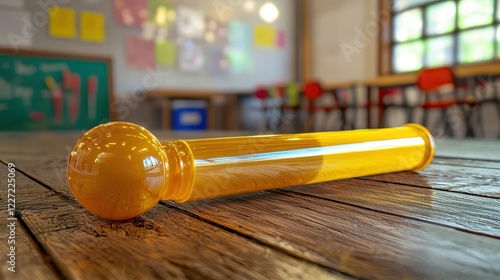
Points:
(117, 170)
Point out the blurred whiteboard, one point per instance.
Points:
(12, 3)
(14, 31)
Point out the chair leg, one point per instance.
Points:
(343, 118)
(480, 121)
(447, 125)
(383, 119)
(425, 118)
(409, 114)
(468, 115)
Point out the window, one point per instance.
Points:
(433, 33)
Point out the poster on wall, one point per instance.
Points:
(140, 52)
(264, 36)
(217, 61)
(92, 27)
(131, 12)
(62, 22)
(165, 52)
(215, 31)
(161, 13)
(240, 61)
(45, 91)
(240, 35)
(280, 39)
(190, 23)
(191, 58)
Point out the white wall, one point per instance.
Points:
(342, 49)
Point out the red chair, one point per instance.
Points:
(262, 94)
(435, 83)
(387, 99)
(313, 91)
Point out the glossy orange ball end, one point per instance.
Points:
(117, 170)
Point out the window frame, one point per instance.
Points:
(387, 40)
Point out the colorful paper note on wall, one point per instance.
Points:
(215, 31)
(280, 39)
(62, 22)
(140, 53)
(161, 13)
(240, 35)
(190, 23)
(92, 27)
(217, 61)
(131, 12)
(191, 57)
(166, 52)
(264, 36)
(240, 61)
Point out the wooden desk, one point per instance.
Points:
(230, 102)
(442, 223)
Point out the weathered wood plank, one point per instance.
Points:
(164, 243)
(469, 180)
(356, 241)
(338, 236)
(464, 212)
(30, 263)
(467, 162)
(468, 149)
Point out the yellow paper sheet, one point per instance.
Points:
(92, 27)
(166, 52)
(62, 22)
(264, 36)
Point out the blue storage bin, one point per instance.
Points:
(189, 115)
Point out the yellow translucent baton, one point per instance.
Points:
(120, 170)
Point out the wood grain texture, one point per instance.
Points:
(363, 228)
(356, 241)
(468, 180)
(468, 149)
(463, 212)
(30, 263)
(164, 243)
(466, 162)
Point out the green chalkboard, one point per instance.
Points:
(51, 91)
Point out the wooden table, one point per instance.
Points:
(443, 223)
(213, 99)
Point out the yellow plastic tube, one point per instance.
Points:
(120, 170)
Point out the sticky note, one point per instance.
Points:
(280, 39)
(165, 52)
(62, 22)
(92, 27)
(264, 36)
(240, 61)
(240, 34)
(140, 52)
(131, 12)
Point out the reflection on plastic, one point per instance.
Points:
(120, 170)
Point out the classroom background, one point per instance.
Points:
(251, 65)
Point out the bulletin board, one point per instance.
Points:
(42, 90)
